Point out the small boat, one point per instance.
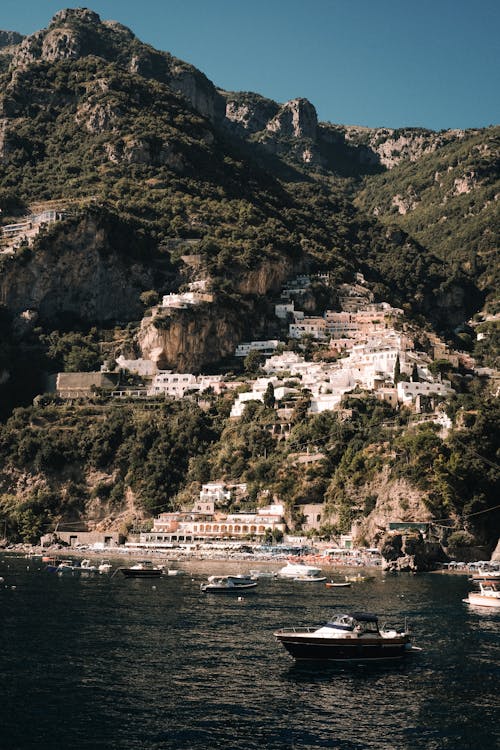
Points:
(356, 579)
(144, 569)
(105, 567)
(353, 637)
(298, 570)
(86, 568)
(175, 572)
(487, 596)
(338, 585)
(65, 567)
(227, 585)
(310, 579)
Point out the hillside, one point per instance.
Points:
(126, 175)
(448, 201)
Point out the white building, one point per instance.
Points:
(286, 362)
(283, 309)
(263, 347)
(173, 384)
(176, 384)
(182, 300)
(315, 327)
(207, 524)
(143, 367)
(408, 392)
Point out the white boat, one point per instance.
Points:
(299, 570)
(105, 566)
(175, 572)
(487, 596)
(227, 584)
(310, 579)
(86, 567)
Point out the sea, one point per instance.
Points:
(126, 664)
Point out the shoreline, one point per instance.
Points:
(179, 555)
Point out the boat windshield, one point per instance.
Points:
(359, 621)
(341, 622)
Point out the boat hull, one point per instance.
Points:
(476, 600)
(234, 589)
(152, 573)
(308, 648)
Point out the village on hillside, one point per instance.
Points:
(364, 348)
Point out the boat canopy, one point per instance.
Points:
(364, 616)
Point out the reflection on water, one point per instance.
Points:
(120, 664)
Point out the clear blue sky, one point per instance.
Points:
(428, 63)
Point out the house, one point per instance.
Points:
(315, 327)
(193, 526)
(264, 347)
(84, 384)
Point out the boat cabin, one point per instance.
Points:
(358, 622)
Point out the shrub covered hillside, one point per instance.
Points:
(97, 462)
(448, 201)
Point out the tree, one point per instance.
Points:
(150, 298)
(252, 362)
(269, 399)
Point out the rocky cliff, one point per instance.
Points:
(188, 340)
(75, 269)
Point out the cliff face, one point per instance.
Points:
(75, 271)
(189, 339)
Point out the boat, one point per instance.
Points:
(337, 584)
(227, 585)
(487, 596)
(263, 574)
(356, 578)
(175, 572)
(105, 566)
(64, 567)
(298, 570)
(310, 579)
(353, 637)
(87, 568)
(143, 569)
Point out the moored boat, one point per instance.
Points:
(87, 568)
(105, 567)
(337, 584)
(144, 569)
(298, 570)
(227, 585)
(487, 596)
(354, 637)
(310, 579)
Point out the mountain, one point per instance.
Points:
(125, 174)
(143, 143)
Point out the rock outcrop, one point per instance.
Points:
(186, 340)
(295, 119)
(79, 272)
(410, 553)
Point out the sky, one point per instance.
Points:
(378, 63)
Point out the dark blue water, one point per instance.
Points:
(118, 664)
